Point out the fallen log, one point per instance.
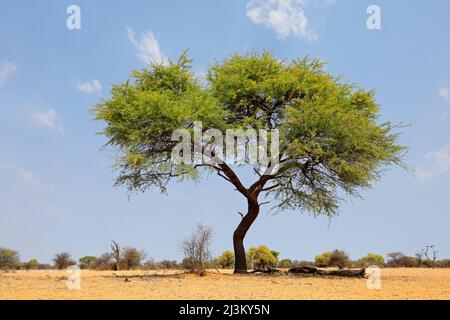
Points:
(266, 271)
(340, 273)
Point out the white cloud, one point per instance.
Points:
(48, 119)
(438, 162)
(28, 177)
(285, 17)
(6, 69)
(147, 47)
(444, 93)
(90, 86)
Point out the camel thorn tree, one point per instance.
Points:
(331, 141)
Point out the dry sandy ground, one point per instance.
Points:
(396, 284)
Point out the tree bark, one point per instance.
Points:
(240, 232)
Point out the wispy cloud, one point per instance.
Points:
(24, 175)
(147, 47)
(437, 162)
(285, 17)
(48, 119)
(28, 177)
(90, 86)
(6, 70)
(444, 93)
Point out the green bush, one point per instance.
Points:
(226, 260)
(285, 264)
(322, 260)
(87, 262)
(261, 258)
(336, 258)
(370, 260)
(9, 259)
(32, 264)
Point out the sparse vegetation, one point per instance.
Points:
(9, 259)
(32, 264)
(131, 258)
(63, 260)
(196, 249)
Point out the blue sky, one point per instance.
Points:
(56, 190)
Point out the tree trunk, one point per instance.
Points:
(240, 265)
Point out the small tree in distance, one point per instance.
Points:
(132, 258)
(32, 264)
(63, 260)
(9, 259)
(87, 262)
(196, 249)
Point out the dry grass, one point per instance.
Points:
(396, 284)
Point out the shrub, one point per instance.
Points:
(369, 260)
(167, 264)
(187, 264)
(132, 258)
(398, 259)
(338, 259)
(226, 260)
(445, 263)
(335, 258)
(322, 260)
(87, 262)
(285, 264)
(9, 259)
(63, 260)
(196, 249)
(32, 264)
(104, 262)
(261, 258)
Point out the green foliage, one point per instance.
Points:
(87, 262)
(330, 135)
(322, 260)
(32, 264)
(285, 264)
(275, 253)
(9, 259)
(226, 260)
(261, 258)
(371, 259)
(335, 258)
(187, 263)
